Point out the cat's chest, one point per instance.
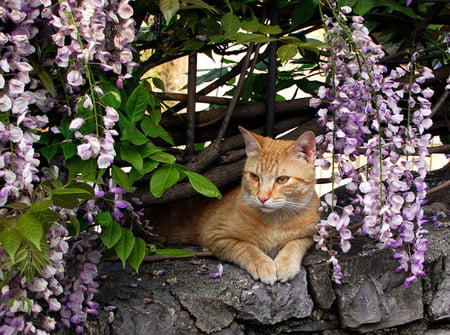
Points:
(271, 238)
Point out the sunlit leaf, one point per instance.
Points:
(137, 103)
(163, 178)
(174, 252)
(11, 239)
(230, 22)
(169, 8)
(203, 185)
(31, 229)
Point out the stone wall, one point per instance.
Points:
(178, 297)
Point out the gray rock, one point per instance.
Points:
(272, 304)
(372, 295)
(213, 302)
(440, 304)
(321, 286)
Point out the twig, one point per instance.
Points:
(236, 96)
(439, 187)
(439, 103)
(192, 84)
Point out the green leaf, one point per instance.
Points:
(163, 178)
(111, 94)
(203, 185)
(31, 229)
(111, 234)
(192, 45)
(363, 6)
(125, 245)
(50, 147)
(69, 149)
(251, 25)
(130, 132)
(163, 157)
(132, 155)
(174, 252)
(230, 22)
(137, 103)
(47, 81)
(286, 52)
(103, 218)
(202, 4)
(65, 122)
(137, 254)
(74, 224)
(303, 12)
(272, 30)
(40, 206)
(69, 198)
(408, 11)
(159, 83)
(10, 239)
(121, 178)
(169, 8)
(46, 217)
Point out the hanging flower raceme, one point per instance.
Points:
(366, 117)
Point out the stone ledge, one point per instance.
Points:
(371, 299)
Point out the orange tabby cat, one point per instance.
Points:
(267, 224)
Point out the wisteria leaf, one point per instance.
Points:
(137, 103)
(163, 178)
(31, 229)
(203, 185)
(10, 239)
(111, 234)
(125, 245)
(137, 254)
(169, 8)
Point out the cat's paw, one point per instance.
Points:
(286, 270)
(266, 272)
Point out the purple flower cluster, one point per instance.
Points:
(86, 34)
(93, 32)
(21, 99)
(371, 113)
(90, 31)
(36, 307)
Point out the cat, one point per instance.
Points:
(267, 224)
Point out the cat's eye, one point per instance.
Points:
(254, 176)
(282, 180)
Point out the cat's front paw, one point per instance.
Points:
(286, 270)
(266, 272)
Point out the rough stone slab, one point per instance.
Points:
(440, 304)
(321, 286)
(272, 304)
(372, 295)
(214, 303)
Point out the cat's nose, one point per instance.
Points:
(263, 198)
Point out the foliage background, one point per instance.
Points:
(87, 142)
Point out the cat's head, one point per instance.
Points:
(278, 174)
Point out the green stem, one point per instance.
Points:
(89, 74)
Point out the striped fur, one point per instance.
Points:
(267, 224)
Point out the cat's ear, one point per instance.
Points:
(252, 145)
(305, 147)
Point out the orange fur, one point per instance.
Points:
(267, 224)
